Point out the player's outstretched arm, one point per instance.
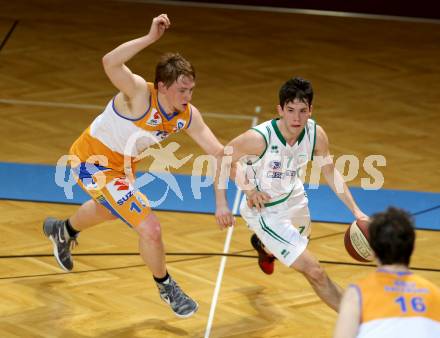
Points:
(333, 176)
(199, 131)
(205, 138)
(245, 145)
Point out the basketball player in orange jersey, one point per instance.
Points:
(140, 115)
(276, 206)
(392, 301)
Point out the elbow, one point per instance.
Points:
(219, 152)
(107, 61)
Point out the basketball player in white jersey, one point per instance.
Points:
(276, 206)
(141, 114)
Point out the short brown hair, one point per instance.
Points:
(171, 66)
(392, 236)
(296, 88)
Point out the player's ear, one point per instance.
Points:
(280, 110)
(311, 110)
(161, 87)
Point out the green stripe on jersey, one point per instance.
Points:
(281, 137)
(265, 141)
(278, 132)
(270, 204)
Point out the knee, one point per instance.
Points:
(150, 230)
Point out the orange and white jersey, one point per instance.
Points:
(398, 304)
(115, 136)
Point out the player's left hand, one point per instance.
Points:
(361, 217)
(224, 217)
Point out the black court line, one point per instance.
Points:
(8, 35)
(202, 255)
(327, 236)
(136, 254)
(426, 210)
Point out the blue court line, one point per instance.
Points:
(36, 182)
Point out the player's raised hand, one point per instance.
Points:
(158, 26)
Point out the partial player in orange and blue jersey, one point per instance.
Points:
(398, 304)
(391, 302)
(103, 158)
(120, 142)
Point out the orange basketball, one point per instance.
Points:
(356, 242)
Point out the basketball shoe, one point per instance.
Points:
(56, 231)
(181, 304)
(265, 260)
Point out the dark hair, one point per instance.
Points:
(392, 236)
(296, 88)
(171, 66)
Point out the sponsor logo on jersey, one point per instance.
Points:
(275, 165)
(285, 253)
(179, 125)
(275, 174)
(120, 190)
(290, 173)
(155, 118)
(121, 184)
(274, 149)
(125, 198)
(281, 174)
(161, 134)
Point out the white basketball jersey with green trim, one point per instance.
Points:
(276, 171)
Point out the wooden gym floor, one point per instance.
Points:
(376, 85)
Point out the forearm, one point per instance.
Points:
(223, 215)
(238, 174)
(127, 50)
(235, 173)
(220, 197)
(340, 188)
(221, 179)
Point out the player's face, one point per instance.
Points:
(294, 116)
(179, 94)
